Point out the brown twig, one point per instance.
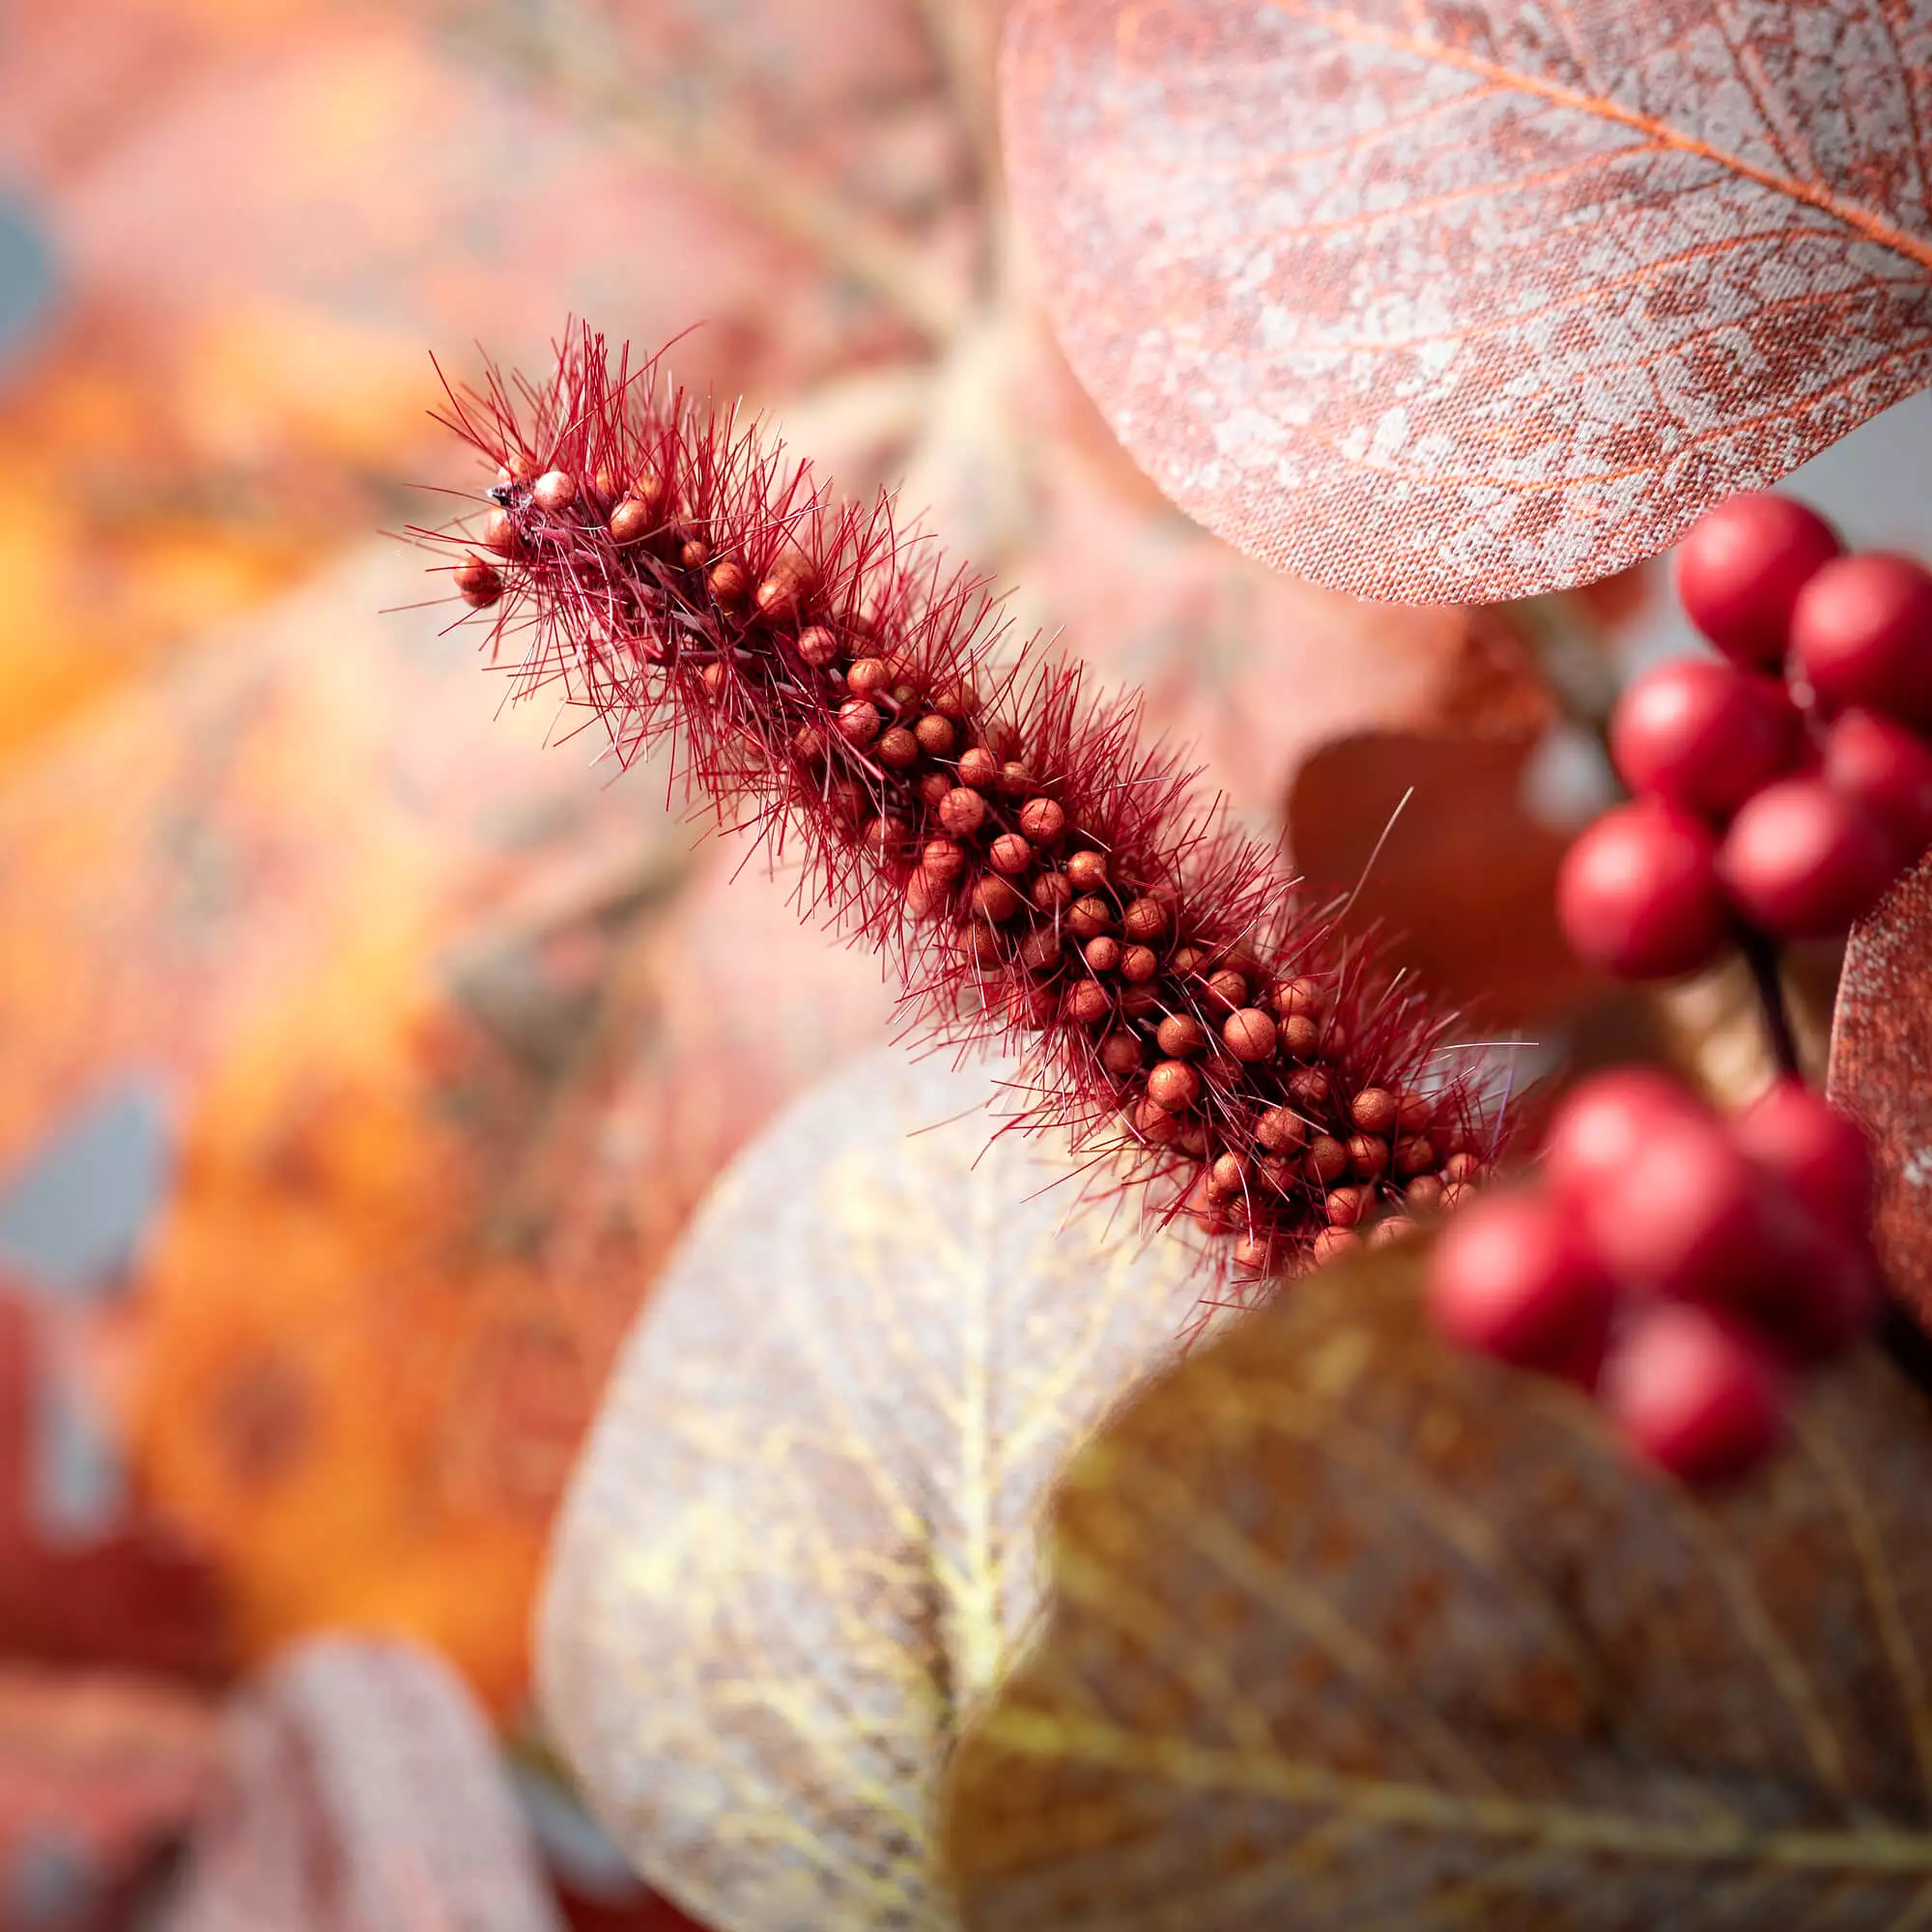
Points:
(568, 49)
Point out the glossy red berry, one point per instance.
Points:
(1861, 634)
(1601, 1126)
(1637, 894)
(1814, 1153)
(1741, 568)
(1702, 733)
(1822, 1295)
(1694, 1393)
(1510, 1278)
(1889, 770)
(1802, 860)
(1687, 1216)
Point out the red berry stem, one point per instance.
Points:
(1760, 955)
(1035, 874)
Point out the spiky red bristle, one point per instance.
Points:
(1036, 872)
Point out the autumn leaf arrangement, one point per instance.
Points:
(1338, 1626)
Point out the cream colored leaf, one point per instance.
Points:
(799, 1543)
(1349, 1630)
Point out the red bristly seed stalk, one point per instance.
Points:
(1034, 872)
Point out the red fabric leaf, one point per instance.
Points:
(1882, 1071)
(1439, 303)
(358, 1789)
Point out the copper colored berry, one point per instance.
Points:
(501, 534)
(1511, 1278)
(1637, 893)
(1145, 920)
(1815, 1153)
(1461, 1167)
(1088, 1003)
(962, 811)
(1413, 1156)
(1368, 1155)
(693, 552)
(1702, 733)
(935, 734)
(1174, 1085)
(1309, 1087)
(1344, 1206)
(1180, 1034)
(1052, 892)
(1041, 949)
(1390, 1230)
(979, 769)
(1374, 1110)
(943, 858)
(478, 582)
(1888, 770)
(1300, 1036)
(632, 520)
(1122, 1054)
(1330, 1243)
(1139, 964)
(1102, 954)
(1041, 820)
(1228, 1178)
(897, 750)
(1280, 1131)
(1010, 853)
(1412, 1111)
(1249, 1034)
(1741, 569)
(858, 721)
(555, 491)
(1802, 860)
(778, 595)
(1326, 1160)
(730, 583)
(1255, 1255)
(1861, 636)
(867, 678)
(818, 646)
(1297, 996)
(1424, 1193)
(1088, 871)
(995, 899)
(1694, 1393)
(1087, 918)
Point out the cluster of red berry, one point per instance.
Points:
(1780, 788)
(1683, 1264)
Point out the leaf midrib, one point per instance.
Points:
(1862, 221)
(1393, 1802)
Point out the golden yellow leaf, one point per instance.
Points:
(1350, 1630)
(800, 1544)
